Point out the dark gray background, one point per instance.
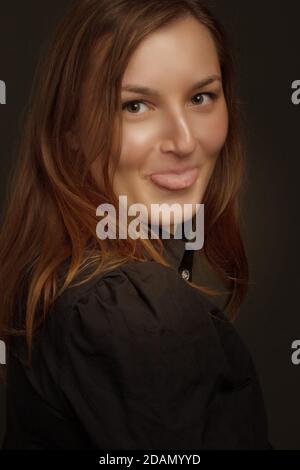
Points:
(265, 36)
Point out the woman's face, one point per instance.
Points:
(176, 126)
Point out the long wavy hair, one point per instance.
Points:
(49, 215)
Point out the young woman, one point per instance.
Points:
(110, 345)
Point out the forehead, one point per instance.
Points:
(177, 52)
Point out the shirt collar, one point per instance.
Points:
(174, 249)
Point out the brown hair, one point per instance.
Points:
(50, 214)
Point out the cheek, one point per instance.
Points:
(137, 141)
(214, 131)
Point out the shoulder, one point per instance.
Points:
(142, 294)
(144, 299)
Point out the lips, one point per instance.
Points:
(175, 180)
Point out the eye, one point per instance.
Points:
(212, 96)
(136, 103)
(129, 104)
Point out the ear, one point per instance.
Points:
(72, 140)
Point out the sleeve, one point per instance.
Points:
(145, 367)
(236, 416)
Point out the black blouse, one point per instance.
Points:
(135, 359)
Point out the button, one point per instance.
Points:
(185, 274)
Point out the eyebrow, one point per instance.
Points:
(151, 92)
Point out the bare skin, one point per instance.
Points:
(179, 127)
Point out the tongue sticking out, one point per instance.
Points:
(175, 181)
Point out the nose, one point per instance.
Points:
(181, 139)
